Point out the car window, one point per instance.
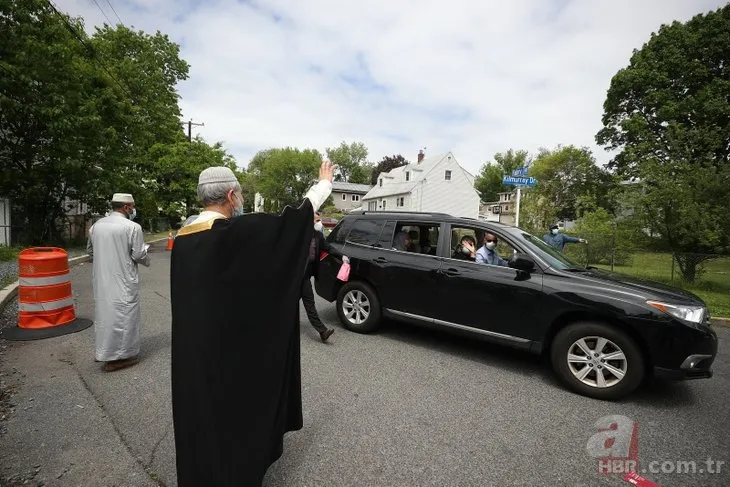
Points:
(386, 235)
(551, 256)
(415, 237)
(365, 231)
(339, 233)
(476, 235)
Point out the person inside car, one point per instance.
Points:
(487, 253)
(402, 242)
(413, 238)
(467, 249)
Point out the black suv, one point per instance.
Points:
(603, 332)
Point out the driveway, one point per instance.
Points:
(405, 406)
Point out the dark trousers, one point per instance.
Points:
(308, 300)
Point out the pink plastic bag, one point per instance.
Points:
(344, 273)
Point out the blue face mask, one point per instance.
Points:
(237, 210)
(133, 215)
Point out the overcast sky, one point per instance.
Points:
(472, 77)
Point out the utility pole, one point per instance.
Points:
(190, 128)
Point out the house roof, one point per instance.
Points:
(418, 172)
(344, 187)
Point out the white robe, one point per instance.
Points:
(116, 245)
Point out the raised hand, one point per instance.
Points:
(327, 171)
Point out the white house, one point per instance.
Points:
(347, 196)
(433, 184)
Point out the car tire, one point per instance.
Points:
(620, 361)
(358, 307)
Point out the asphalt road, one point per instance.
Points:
(405, 406)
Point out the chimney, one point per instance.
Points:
(421, 155)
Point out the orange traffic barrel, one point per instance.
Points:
(170, 241)
(45, 298)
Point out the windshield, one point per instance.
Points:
(551, 256)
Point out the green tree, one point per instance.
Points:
(569, 180)
(70, 128)
(387, 164)
(284, 175)
(177, 167)
(667, 115)
(351, 161)
(489, 180)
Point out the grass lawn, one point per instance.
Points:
(713, 286)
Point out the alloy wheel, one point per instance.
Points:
(597, 361)
(356, 307)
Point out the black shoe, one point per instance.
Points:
(324, 335)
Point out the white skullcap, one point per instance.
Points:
(217, 174)
(122, 198)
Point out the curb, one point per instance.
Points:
(725, 322)
(11, 290)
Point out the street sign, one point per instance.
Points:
(519, 180)
(521, 171)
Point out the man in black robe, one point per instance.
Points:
(236, 379)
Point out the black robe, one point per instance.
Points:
(236, 377)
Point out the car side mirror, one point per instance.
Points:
(522, 262)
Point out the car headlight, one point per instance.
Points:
(693, 314)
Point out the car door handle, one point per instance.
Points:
(381, 260)
(450, 272)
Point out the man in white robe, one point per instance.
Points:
(116, 245)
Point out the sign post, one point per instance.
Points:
(519, 178)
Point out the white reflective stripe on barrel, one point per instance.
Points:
(44, 281)
(47, 306)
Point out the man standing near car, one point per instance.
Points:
(235, 332)
(316, 246)
(557, 240)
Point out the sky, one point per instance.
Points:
(474, 78)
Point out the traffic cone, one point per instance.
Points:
(45, 299)
(170, 241)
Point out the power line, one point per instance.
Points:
(115, 12)
(103, 13)
(89, 48)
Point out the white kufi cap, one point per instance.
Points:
(217, 174)
(122, 198)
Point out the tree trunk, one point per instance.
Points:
(691, 266)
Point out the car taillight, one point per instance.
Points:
(323, 255)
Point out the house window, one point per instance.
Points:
(447, 175)
(344, 196)
(506, 208)
(384, 204)
(408, 175)
(381, 182)
(355, 197)
(372, 205)
(400, 202)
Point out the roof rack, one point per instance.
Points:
(396, 212)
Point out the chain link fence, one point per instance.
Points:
(707, 275)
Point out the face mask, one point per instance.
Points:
(318, 226)
(491, 245)
(555, 231)
(133, 215)
(237, 210)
